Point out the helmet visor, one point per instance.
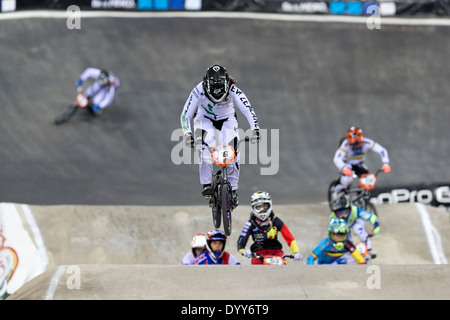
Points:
(338, 237)
(342, 213)
(261, 207)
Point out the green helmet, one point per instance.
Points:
(338, 227)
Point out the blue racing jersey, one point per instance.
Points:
(326, 253)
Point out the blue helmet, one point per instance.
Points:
(216, 235)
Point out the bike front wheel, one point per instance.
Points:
(215, 207)
(66, 115)
(226, 209)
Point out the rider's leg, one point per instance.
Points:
(230, 136)
(205, 129)
(344, 182)
(359, 228)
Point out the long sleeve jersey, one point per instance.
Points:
(199, 104)
(266, 239)
(346, 155)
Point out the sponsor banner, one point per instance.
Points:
(7, 5)
(304, 7)
(437, 194)
(109, 4)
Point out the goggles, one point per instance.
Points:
(261, 207)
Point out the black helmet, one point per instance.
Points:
(103, 79)
(216, 83)
(341, 207)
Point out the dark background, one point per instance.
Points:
(311, 81)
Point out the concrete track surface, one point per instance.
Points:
(108, 197)
(133, 252)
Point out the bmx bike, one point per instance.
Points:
(81, 102)
(358, 195)
(221, 201)
(273, 260)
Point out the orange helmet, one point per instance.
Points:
(354, 136)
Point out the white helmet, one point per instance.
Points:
(198, 241)
(261, 205)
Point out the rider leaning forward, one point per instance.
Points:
(263, 227)
(211, 106)
(351, 154)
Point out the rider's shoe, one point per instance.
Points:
(207, 191)
(235, 198)
(372, 254)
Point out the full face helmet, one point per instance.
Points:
(215, 235)
(216, 83)
(103, 78)
(341, 207)
(198, 242)
(338, 232)
(355, 137)
(261, 203)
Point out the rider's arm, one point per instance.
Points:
(369, 216)
(287, 235)
(314, 255)
(382, 152)
(354, 252)
(90, 73)
(244, 106)
(243, 237)
(339, 158)
(189, 109)
(108, 97)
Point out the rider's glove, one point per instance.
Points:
(247, 253)
(255, 138)
(386, 168)
(189, 141)
(375, 231)
(297, 256)
(347, 171)
(95, 108)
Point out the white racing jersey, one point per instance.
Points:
(198, 104)
(346, 155)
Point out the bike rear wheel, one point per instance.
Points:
(66, 115)
(226, 209)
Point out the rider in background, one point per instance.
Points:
(355, 218)
(198, 245)
(215, 253)
(211, 106)
(336, 248)
(264, 226)
(351, 154)
(102, 91)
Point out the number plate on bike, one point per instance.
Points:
(223, 155)
(274, 260)
(362, 248)
(368, 181)
(81, 100)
